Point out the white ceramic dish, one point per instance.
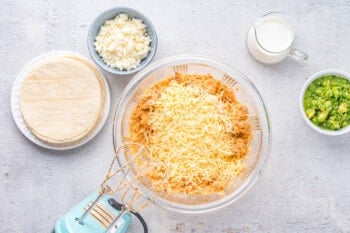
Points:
(111, 14)
(301, 102)
(16, 111)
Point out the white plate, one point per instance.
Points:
(16, 111)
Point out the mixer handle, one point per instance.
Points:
(118, 206)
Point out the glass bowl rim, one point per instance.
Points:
(266, 139)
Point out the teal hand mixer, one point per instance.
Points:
(100, 212)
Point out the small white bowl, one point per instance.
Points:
(301, 102)
(111, 14)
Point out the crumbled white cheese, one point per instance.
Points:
(123, 42)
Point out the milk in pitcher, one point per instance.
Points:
(270, 39)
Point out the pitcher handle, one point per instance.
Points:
(298, 54)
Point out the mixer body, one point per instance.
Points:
(97, 221)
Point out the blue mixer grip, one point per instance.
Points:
(69, 224)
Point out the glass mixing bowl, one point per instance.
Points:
(246, 94)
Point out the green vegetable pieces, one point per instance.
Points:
(327, 102)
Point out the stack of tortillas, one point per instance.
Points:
(62, 99)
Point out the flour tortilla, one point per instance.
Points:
(62, 99)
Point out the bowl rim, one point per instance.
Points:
(313, 77)
(266, 130)
(99, 61)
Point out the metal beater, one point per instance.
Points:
(100, 212)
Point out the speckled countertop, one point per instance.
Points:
(306, 185)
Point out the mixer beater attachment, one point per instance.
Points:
(127, 178)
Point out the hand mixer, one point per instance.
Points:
(99, 212)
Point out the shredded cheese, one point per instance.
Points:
(195, 131)
(123, 42)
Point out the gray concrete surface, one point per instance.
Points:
(306, 185)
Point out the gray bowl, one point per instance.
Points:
(111, 14)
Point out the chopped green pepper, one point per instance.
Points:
(327, 102)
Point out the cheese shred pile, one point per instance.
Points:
(196, 127)
(123, 42)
